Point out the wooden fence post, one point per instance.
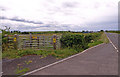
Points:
(43, 41)
(24, 44)
(54, 41)
(30, 40)
(38, 41)
(15, 41)
(6, 41)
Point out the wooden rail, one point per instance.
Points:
(33, 41)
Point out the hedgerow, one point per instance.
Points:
(78, 41)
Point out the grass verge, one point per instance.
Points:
(22, 71)
(104, 38)
(94, 43)
(59, 53)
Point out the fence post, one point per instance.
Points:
(59, 44)
(6, 41)
(24, 44)
(43, 41)
(30, 40)
(15, 41)
(54, 41)
(38, 41)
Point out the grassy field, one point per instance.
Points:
(59, 53)
(113, 32)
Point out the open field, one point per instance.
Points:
(113, 32)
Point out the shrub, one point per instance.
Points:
(75, 41)
(94, 37)
(78, 41)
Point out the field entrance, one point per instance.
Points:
(36, 41)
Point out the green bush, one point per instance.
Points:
(78, 41)
(92, 37)
(75, 41)
(4, 40)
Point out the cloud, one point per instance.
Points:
(60, 14)
(70, 4)
(33, 27)
(20, 20)
(3, 8)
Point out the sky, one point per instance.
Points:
(59, 15)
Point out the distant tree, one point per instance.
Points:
(56, 31)
(7, 28)
(83, 31)
(101, 30)
(69, 31)
(106, 30)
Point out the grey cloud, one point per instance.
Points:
(3, 8)
(23, 27)
(69, 4)
(63, 27)
(12, 27)
(107, 20)
(65, 8)
(20, 20)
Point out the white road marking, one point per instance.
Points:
(59, 61)
(117, 51)
(113, 44)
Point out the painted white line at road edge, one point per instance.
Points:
(59, 61)
(112, 44)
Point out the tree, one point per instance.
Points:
(102, 30)
(83, 31)
(7, 28)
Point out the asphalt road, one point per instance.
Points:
(114, 38)
(101, 60)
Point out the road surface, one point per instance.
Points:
(101, 60)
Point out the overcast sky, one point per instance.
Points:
(49, 15)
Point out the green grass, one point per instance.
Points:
(59, 53)
(28, 62)
(113, 32)
(64, 53)
(104, 38)
(10, 54)
(22, 71)
(94, 43)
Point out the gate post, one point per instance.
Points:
(54, 41)
(30, 40)
(38, 41)
(15, 41)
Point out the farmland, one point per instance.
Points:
(113, 31)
